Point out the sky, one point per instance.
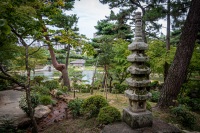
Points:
(89, 12)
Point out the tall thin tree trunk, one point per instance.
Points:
(166, 65)
(28, 92)
(92, 84)
(110, 84)
(178, 70)
(67, 81)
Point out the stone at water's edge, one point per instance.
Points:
(41, 111)
(137, 120)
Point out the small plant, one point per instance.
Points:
(23, 103)
(38, 79)
(84, 88)
(42, 90)
(45, 99)
(155, 96)
(75, 107)
(184, 116)
(7, 125)
(108, 115)
(154, 84)
(93, 104)
(120, 88)
(148, 106)
(59, 92)
(52, 84)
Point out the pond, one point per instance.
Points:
(49, 75)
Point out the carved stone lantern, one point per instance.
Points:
(136, 115)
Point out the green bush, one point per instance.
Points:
(4, 84)
(75, 107)
(59, 92)
(84, 88)
(93, 104)
(184, 116)
(120, 87)
(42, 90)
(45, 99)
(108, 115)
(190, 95)
(155, 96)
(38, 79)
(23, 102)
(154, 83)
(193, 103)
(52, 84)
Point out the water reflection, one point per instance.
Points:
(49, 75)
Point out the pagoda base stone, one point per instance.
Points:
(137, 120)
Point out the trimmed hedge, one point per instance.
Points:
(108, 115)
(92, 105)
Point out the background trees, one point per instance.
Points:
(178, 70)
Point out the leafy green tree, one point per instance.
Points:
(120, 63)
(20, 18)
(157, 53)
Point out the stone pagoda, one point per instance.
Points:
(136, 115)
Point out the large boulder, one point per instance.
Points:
(41, 111)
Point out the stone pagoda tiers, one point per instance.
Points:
(136, 115)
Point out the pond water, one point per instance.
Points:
(49, 75)
(88, 74)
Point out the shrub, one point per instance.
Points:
(59, 92)
(4, 84)
(84, 88)
(23, 103)
(7, 125)
(108, 115)
(193, 103)
(75, 107)
(120, 87)
(93, 104)
(38, 79)
(45, 99)
(41, 90)
(184, 116)
(154, 83)
(155, 96)
(52, 84)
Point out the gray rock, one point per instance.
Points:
(157, 127)
(41, 111)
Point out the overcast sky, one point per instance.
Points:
(89, 12)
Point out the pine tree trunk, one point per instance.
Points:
(166, 65)
(60, 67)
(67, 80)
(178, 70)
